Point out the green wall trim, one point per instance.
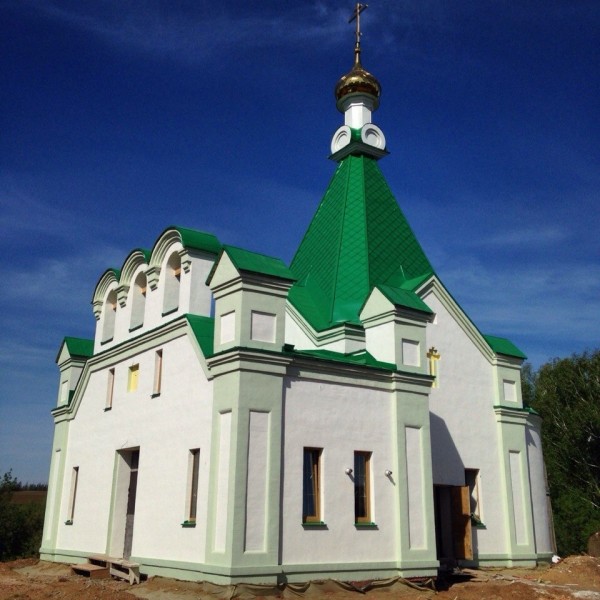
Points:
(61, 555)
(282, 573)
(191, 571)
(545, 557)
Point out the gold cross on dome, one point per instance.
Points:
(356, 15)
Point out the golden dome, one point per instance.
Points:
(358, 81)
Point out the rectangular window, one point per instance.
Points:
(132, 379)
(110, 388)
(194, 467)
(362, 485)
(311, 496)
(73, 495)
(158, 363)
(472, 480)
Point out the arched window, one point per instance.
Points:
(172, 284)
(108, 314)
(138, 301)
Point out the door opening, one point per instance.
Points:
(452, 524)
(124, 497)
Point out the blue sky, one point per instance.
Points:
(118, 119)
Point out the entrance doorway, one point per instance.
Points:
(123, 513)
(452, 523)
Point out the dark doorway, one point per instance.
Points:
(133, 460)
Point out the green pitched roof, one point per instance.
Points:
(204, 332)
(407, 298)
(198, 240)
(244, 260)
(503, 346)
(357, 239)
(79, 347)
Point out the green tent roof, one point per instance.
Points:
(358, 238)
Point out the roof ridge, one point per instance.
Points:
(340, 242)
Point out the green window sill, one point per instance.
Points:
(366, 525)
(170, 311)
(314, 525)
(189, 524)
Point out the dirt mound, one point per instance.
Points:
(575, 578)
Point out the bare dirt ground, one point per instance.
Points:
(576, 577)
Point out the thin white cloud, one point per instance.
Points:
(526, 237)
(65, 284)
(194, 36)
(20, 212)
(558, 303)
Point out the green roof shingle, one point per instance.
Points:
(198, 240)
(204, 332)
(244, 260)
(503, 346)
(357, 239)
(79, 347)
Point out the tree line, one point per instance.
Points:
(20, 524)
(566, 394)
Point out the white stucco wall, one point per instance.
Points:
(463, 426)
(339, 419)
(165, 428)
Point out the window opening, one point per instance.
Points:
(138, 304)
(193, 486)
(172, 284)
(73, 495)
(109, 313)
(132, 380)
(110, 388)
(311, 510)
(472, 480)
(158, 364)
(362, 496)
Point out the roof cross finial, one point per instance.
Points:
(356, 16)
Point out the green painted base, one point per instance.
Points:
(267, 574)
(501, 560)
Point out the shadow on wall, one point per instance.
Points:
(448, 467)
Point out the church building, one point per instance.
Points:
(236, 419)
